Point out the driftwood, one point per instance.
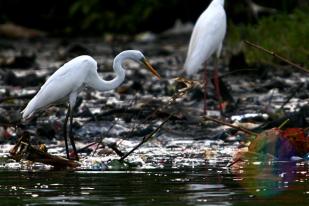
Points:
(24, 150)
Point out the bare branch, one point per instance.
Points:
(180, 93)
(146, 138)
(277, 56)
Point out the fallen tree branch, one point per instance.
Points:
(24, 150)
(277, 56)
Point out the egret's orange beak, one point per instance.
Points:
(150, 68)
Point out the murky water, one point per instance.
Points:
(282, 183)
(185, 164)
(167, 171)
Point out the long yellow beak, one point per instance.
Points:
(150, 68)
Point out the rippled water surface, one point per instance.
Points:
(252, 184)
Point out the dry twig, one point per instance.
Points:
(181, 92)
(277, 56)
(146, 138)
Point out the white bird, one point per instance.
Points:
(206, 38)
(69, 79)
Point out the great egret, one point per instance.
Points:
(206, 38)
(68, 81)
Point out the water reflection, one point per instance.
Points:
(269, 183)
(284, 183)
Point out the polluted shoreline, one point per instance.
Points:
(211, 113)
(255, 98)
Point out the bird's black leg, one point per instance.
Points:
(205, 89)
(71, 135)
(65, 135)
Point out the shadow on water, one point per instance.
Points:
(254, 184)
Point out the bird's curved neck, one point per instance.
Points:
(103, 85)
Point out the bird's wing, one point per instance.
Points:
(64, 81)
(63, 71)
(206, 38)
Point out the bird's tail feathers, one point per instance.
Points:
(28, 111)
(191, 68)
(26, 114)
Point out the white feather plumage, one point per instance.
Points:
(68, 80)
(207, 36)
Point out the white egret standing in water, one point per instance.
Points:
(68, 81)
(206, 38)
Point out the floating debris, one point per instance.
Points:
(24, 150)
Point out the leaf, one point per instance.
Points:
(282, 144)
(297, 137)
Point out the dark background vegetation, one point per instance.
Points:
(285, 30)
(95, 17)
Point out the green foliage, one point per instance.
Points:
(284, 34)
(112, 16)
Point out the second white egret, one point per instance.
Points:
(207, 38)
